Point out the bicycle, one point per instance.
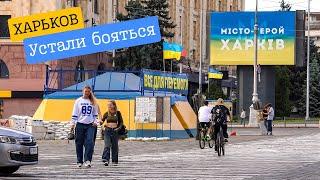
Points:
(220, 142)
(203, 137)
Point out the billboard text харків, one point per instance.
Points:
(232, 38)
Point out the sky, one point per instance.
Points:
(272, 5)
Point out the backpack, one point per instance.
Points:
(218, 114)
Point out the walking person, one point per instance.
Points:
(112, 123)
(270, 118)
(243, 116)
(84, 122)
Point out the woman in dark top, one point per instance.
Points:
(112, 123)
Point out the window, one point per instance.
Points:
(196, 5)
(4, 72)
(101, 68)
(96, 7)
(4, 30)
(79, 75)
(194, 30)
(72, 3)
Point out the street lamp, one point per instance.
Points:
(255, 98)
(308, 66)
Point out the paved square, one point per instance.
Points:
(290, 154)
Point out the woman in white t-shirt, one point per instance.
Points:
(84, 122)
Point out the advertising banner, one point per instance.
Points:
(161, 81)
(45, 23)
(92, 40)
(232, 38)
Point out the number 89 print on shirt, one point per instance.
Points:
(84, 112)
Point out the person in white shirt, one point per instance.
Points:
(84, 122)
(243, 116)
(270, 118)
(204, 116)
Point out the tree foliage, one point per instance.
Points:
(150, 55)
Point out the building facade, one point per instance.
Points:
(22, 84)
(314, 28)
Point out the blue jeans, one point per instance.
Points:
(269, 122)
(84, 138)
(110, 141)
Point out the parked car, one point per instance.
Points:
(17, 149)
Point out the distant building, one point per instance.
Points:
(21, 84)
(314, 28)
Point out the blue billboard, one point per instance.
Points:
(232, 38)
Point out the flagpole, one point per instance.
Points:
(208, 86)
(164, 65)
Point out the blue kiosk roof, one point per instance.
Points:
(112, 85)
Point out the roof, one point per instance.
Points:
(112, 85)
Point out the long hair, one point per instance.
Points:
(113, 102)
(91, 97)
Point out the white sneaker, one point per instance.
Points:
(87, 164)
(79, 165)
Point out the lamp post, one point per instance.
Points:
(255, 98)
(308, 66)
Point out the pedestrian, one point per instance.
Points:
(84, 122)
(112, 122)
(243, 116)
(269, 118)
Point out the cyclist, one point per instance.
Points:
(220, 116)
(204, 115)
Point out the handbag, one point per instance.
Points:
(123, 131)
(71, 135)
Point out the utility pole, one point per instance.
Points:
(308, 66)
(255, 97)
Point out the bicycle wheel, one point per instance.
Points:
(221, 142)
(218, 144)
(202, 141)
(211, 141)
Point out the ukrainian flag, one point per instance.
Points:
(172, 51)
(214, 74)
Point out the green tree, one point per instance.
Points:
(283, 104)
(314, 94)
(285, 6)
(150, 55)
(214, 90)
(282, 82)
(314, 88)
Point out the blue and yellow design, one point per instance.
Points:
(214, 74)
(172, 51)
